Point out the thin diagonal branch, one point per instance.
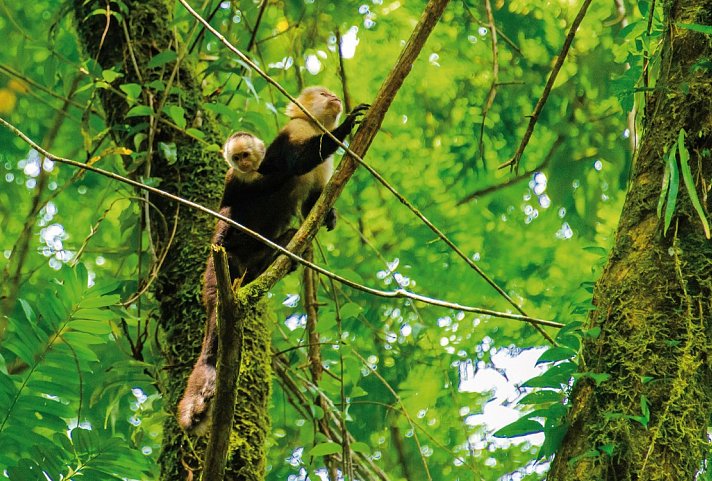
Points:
(517, 178)
(513, 163)
(495, 78)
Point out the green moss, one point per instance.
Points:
(252, 421)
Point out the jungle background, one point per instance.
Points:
(91, 367)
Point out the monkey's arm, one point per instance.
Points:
(222, 227)
(285, 156)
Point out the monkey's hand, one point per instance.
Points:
(353, 117)
(195, 409)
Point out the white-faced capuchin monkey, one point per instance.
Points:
(263, 191)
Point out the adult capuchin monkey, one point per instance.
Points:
(263, 191)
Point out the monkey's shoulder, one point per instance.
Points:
(299, 130)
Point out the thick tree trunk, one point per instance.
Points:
(654, 300)
(198, 176)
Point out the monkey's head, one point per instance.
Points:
(321, 102)
(244, 152)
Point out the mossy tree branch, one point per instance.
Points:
(230, 327)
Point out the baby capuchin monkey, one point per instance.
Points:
(264, 189)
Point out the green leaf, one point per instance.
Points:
(139, 111)
(132, 91)
(169, 151)
(101, 301)
(349, 310)
(230, 115)
(689, 182)
(317, 411)
(92, 327)
(162, 58)
(520, 427)
(556, 354)
(644, 7)
(591, 453)
(541, 397)
(572, 341)
(553, 436)
(645, 406)
(357, 391)
(157, 85)
(607, 449)
(177, 115)
(196, 133)
(324, 449)
(27, 309)
(593, 333)
(672, 192)
(360, 447)
(696, 27)
(110, 75)
(554, 377)
(598, 377)
(664, 190)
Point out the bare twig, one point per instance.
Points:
(404, 411)
(364, 465)
(513, 163)
(312, 310)
(495, 78)
(342, 72)
(506, 39)
(199, 37)
(517, 178)
(633, 131)
(395, 294)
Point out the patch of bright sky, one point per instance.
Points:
(501, 379)
(349, 41)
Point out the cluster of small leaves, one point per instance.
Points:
(549, 391)
(640, 42)
(677, 160)
(50, 358)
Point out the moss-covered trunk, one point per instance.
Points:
(197, 175)
(654, 300)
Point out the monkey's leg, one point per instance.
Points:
(329, 220)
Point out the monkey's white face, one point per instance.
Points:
(321, 102)
(244, 153)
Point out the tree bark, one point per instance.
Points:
(654, 299)
(197, 175)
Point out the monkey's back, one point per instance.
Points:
(263, 206)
